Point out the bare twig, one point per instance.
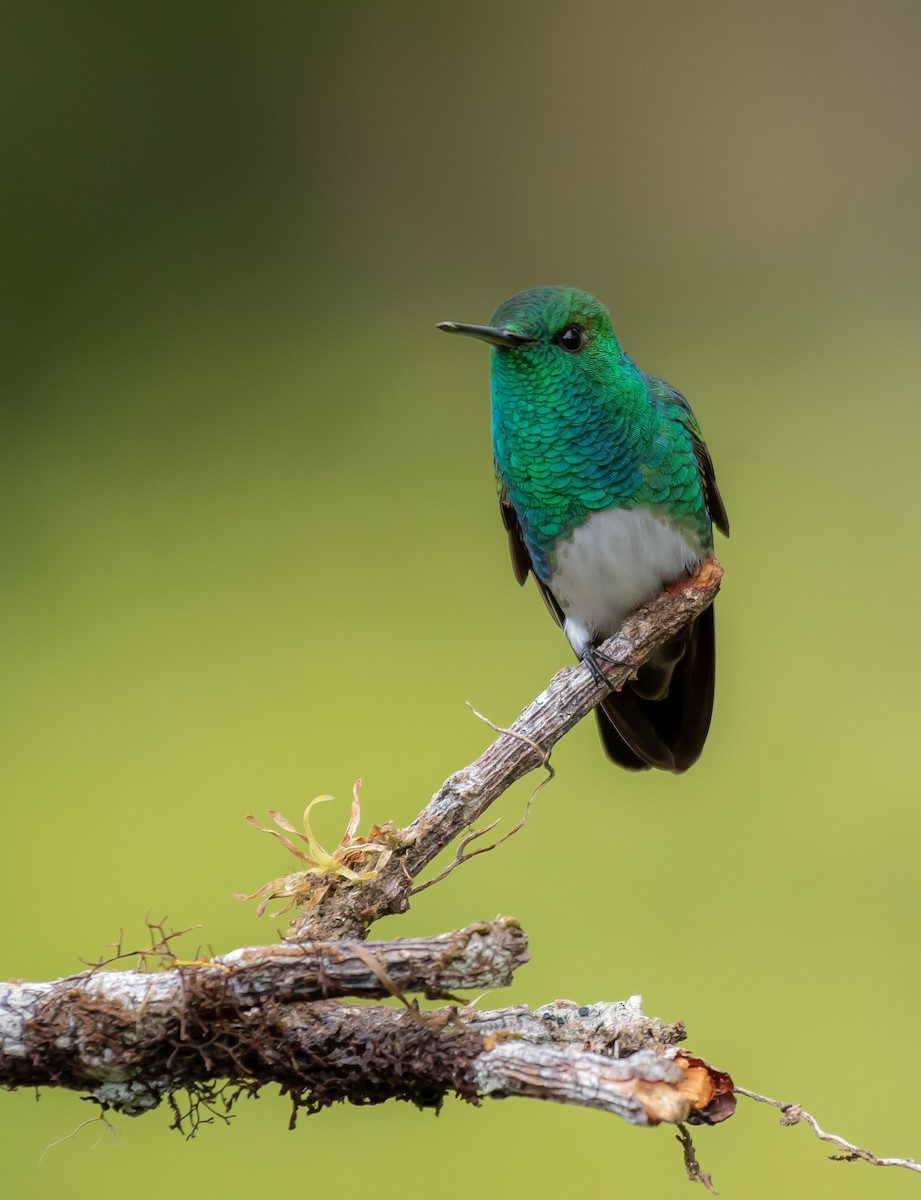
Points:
(348, 909)
(100, 1117)
(461, 856)
(158, 954)
(691, 1165)
(795, 1114)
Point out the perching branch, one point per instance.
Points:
(348, 910)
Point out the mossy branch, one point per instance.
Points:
(220, 1028)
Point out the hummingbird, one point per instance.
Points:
(608, 494)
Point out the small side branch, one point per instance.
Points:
(795, 1114)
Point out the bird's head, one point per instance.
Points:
(548, 337)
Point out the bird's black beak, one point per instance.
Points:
(487, 333)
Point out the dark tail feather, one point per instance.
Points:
(615, 747)
(661, 718)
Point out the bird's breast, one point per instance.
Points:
(613, 562)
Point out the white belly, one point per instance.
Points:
(613, 563)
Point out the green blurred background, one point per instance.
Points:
(252, 548)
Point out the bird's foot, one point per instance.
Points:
(593, 658)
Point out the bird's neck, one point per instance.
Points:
(565, 450)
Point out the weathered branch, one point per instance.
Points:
(72, 1031)
(129, 1039)
(348, 911)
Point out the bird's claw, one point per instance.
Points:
(593, 658)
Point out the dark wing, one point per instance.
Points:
(712, 495)
(661, 718)
(521, 556)
(715, 505)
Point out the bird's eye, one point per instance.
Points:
(572, 338)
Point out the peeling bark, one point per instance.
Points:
(216, 1030)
